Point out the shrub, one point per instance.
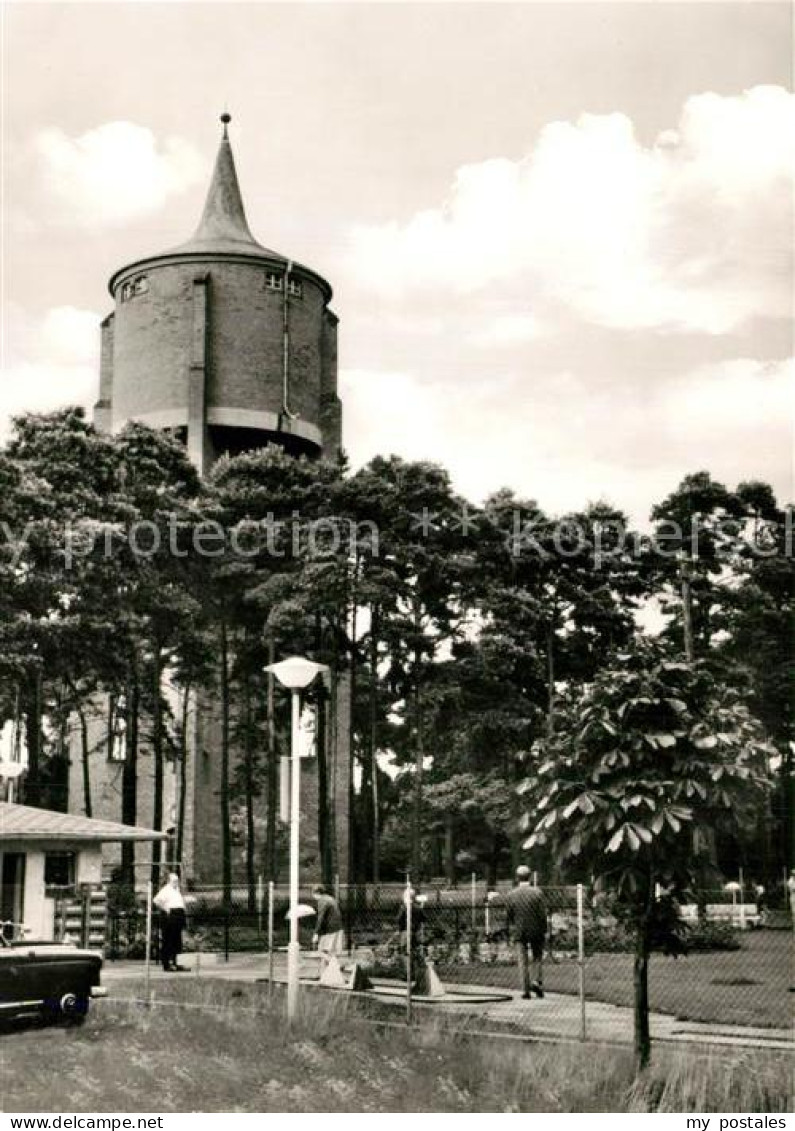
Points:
(712, 936)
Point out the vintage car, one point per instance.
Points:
(51, 980)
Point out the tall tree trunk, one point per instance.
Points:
(271, 776)
(332, 763)
(321, 754)
(249, 786)
(512, 773)
(34, 740)
(515, 829)
(376, 828)
(494, 859)
(555, 870)
(129, 774)
(551, 698)
(375, 817)
(641, 1007)
(436, 854)
(85, 764)
(183, 772)
(323, 823)
(449, 849)
(226, 831)
(353, 829)
(419, 766)
(787, 783)
(157, 755)
(687, 611)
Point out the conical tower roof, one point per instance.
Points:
(223, 229)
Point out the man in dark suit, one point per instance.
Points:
(527, 917)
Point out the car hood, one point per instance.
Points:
(34, 949)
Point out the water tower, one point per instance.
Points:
(223, 341)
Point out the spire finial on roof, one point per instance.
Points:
(224, 218)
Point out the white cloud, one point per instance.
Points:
(111, 174)
(692, 232)
(741, 395)
(506, 330)
(48, 362)
(69, 335)
(567, 443)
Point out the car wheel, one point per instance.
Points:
(73, 1008)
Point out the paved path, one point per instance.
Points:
(556, 1015)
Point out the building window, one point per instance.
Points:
(117, 732)
(275, 282)
(59, 869)
(134, 287)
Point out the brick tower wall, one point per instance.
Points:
(152, 344)
(203, 859)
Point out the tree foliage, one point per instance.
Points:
(646, 762)
(460, 637)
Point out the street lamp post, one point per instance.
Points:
(295, 674)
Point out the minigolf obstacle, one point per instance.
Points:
(359, 979)
(428, 983)
(332, 975)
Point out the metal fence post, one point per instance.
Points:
(474, 900)
(270, 936)
(148, 947)
(260, 898)
(581, 958)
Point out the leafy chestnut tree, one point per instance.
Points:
(645, 761)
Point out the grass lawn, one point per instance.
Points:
(749, 986)
(213, 1046)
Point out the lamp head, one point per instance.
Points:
(296, 672)
(11, 770)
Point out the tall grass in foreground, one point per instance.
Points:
(511, 1075)
(206, 1046)
(732, 1082)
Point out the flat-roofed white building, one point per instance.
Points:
(51, 870)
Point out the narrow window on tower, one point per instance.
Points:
(295, 288)
(273, 281)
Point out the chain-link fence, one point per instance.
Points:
(455, 950)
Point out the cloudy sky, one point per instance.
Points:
(559, 234)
